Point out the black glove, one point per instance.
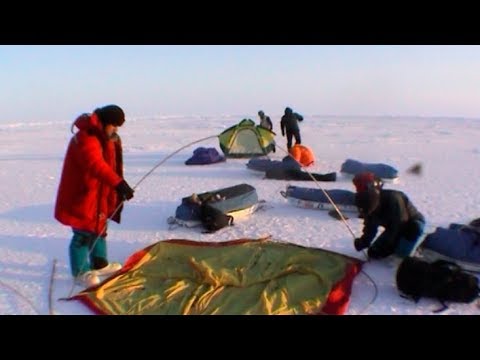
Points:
(124, 190)
(360, 244)
(283, 133)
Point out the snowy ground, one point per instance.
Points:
(31, 159)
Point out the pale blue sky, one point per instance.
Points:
(39, 83)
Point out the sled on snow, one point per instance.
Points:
(239, 201)
(314, 198)
(459, 243)
(353, 167)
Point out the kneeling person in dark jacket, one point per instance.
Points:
(392, 210)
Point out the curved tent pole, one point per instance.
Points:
(169, 156)
(136, 185)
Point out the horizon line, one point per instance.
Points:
(240, 117)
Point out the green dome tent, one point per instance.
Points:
(246, 140)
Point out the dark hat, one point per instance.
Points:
(111, 114)
(261, 113)
(288, 110)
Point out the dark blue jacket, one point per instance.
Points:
(289, 122)
(395, 213)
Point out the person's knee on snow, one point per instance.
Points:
(413, 229)
(361, 243)
(380, 250)
(383, 246)
(410, 238)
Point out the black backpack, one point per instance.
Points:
(441, 280)
(214, 219)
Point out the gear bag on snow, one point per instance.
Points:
(441, 280)
(214, 219)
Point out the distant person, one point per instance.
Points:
(91, 188)
(402, 222)
(265, 121)
(289, 125)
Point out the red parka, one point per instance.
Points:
(92, 168)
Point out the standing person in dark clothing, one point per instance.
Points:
(289, 125)
(392, 210)
(265, 120)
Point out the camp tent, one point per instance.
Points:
(246, 140)
(242, 276)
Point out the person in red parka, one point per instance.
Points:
(92, 190)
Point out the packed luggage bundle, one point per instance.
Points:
(314, 198)
(237, 201)
(353, 167)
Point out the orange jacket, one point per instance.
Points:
(92, 168)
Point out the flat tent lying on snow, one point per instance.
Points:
(244, 276)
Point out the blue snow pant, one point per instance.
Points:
(402, 245)
(407, 245)
(87, 251)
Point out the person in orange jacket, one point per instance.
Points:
(91, 188)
